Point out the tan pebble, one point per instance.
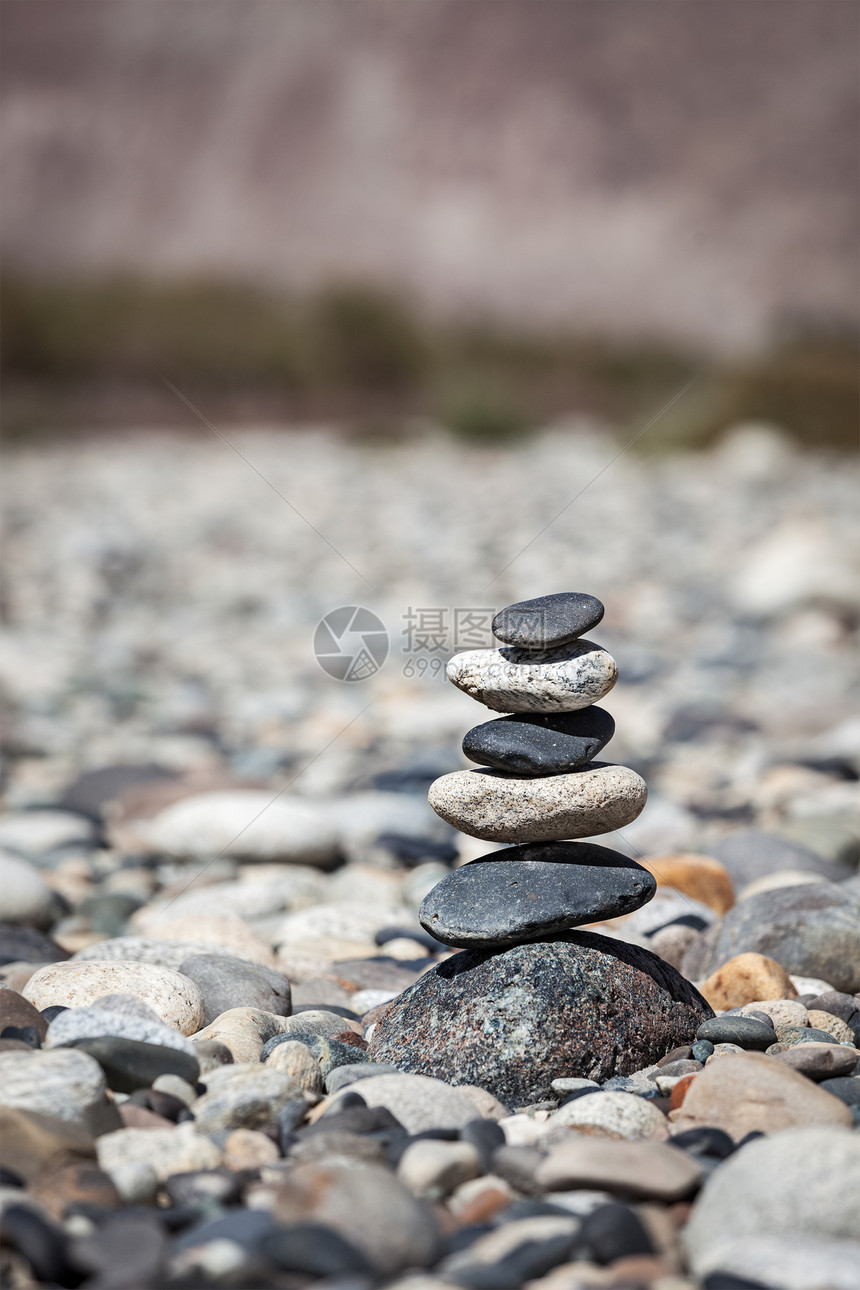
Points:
(782, 1012)
(744, 978)
(243, 1031)
(699, 877)
(755, 1092)
(296, 1060)
(834, 1026)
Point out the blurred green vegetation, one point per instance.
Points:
(83, 353)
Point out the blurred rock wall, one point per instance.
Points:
(630, 167)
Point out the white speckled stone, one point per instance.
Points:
(518, 680)
(497, 807)
(622, 1115)
(176, 1150)
(174, 998)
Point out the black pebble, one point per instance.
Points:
(704, 1141)
(485, 1136)
(131, 1064)
(313, 1250)
(43, 1244)
(547, 621)
(51, 1014)
(728, 1281)
(532, 744)
(26, 1034)
(612, 1232)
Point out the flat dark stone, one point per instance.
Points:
(746, 1032)
(532, 743)
(533, 890)
(130, 1064)
(547, 621)
(26, 945)
(512, 1021)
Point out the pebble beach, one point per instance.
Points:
(274, 1011)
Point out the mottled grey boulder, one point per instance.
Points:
(811, 930)
(512, 1021)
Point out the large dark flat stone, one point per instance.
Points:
(547, 621)
(533, 890)
(513, 1020)
(540, 744)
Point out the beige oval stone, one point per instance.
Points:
(296, 1060)
(752, 1091)
(650, 1170)
(243, 1031)
(497, 807)
(517, 680)
(172, 996)
(743, 979)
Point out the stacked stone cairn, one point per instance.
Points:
(532, 1000)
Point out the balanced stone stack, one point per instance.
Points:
(532, 1000)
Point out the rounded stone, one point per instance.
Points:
(517, 680)
(512, 1021)
(547, 621)
(697, 876)
(496, 807)
(819, 1061)
(533, 890)
(746, 1032)
(747, 977)
(176, 1150)
(535, 744)
(26, 898)
(173, 997)
(811, 930)
(419, 1102)
(753, 1091)
(618, 1115)
(243, 1097)
(115, 1016)
(62, 1083)
(248, 824)
(640, 1168)
(234, 983)
(803, 1183)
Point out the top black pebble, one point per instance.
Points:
(547, 621)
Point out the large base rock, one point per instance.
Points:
(513, 1020)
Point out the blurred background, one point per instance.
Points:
(428, 307)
